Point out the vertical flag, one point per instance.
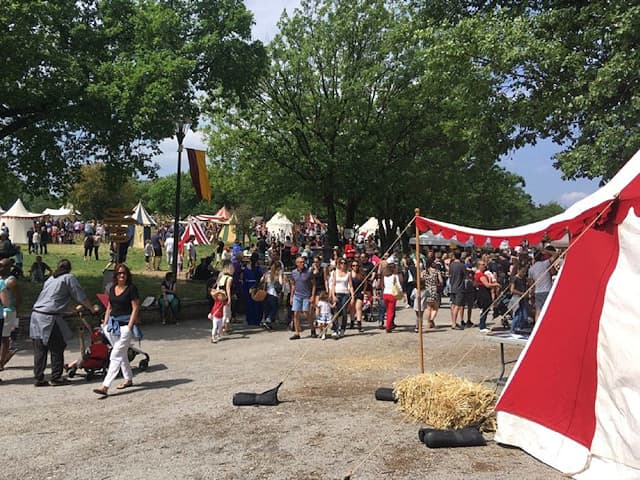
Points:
(199, 177)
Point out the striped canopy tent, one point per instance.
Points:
(193, 228)
(221, 216)
(573, 398)
(227, 222)
(144, 222)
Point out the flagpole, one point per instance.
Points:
(418, 291)
(181, 130)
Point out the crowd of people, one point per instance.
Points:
(275, 282)
(354, 282)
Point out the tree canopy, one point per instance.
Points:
(90, 80)
(364, 110)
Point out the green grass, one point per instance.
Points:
(91, 278)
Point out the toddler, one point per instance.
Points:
(323, 314)
(93, 358)
(148, 254)
(216, 315)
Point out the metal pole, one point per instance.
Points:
(418, 291)
(176, 222)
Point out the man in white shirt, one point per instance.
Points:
(540, 275)
(168, 245)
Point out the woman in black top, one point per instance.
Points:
(119, 318)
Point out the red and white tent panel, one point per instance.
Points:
(194, 229)
(221, 216)
(573, 220)
(573, 398)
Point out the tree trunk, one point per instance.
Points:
(332, 221)
(350, 213)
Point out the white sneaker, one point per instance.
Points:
(323, 337)
(334, 334)
(484, 330)
(216, 338)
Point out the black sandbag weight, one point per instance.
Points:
(463, 437)
(268, 397)
(385, 394)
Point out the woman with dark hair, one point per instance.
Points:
(119, 319)
(251, 274)
(273, 280)
(341, 295)
(169, 302)
(48, 330)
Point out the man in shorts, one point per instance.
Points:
(457, 274)
(156, 243)
(303, 289)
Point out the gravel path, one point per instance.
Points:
(177, 422)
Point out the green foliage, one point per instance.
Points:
(294, 207)
(95, 191)
(371, 110)
(572, 69)
(105, 80)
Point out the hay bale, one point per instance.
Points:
(445, 401)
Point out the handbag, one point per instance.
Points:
(395, 290)
(258, 294)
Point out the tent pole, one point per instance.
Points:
(418, 291)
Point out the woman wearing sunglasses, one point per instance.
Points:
(119, 319)
(341, 293)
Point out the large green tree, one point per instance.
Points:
(94, 191)
(104, 80)
(368, 110)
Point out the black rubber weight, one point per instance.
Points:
(464, 437)
(385, 394)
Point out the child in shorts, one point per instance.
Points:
(217, 313)
(323, 314)
(148, 254)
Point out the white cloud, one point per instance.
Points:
(569, 198)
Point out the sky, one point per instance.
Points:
(534, 163)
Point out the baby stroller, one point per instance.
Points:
(501, 310)
(95, 359)
(367, 307)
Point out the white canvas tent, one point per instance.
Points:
(280, 226)
(573, 398)
(18, 219)
(62, 212)
(370, 227)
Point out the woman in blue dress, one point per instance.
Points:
(251, 274)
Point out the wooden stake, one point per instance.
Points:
(418, 291)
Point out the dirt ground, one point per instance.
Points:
(177, 422)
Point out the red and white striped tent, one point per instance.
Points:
(194, 229)
(573, 398)
(221, 216)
